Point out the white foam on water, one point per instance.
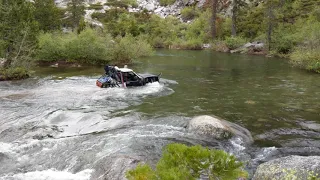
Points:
(78, 123)
(82, 91)
(50, 174)
(265, 153)
(237, 144)
(5, 147)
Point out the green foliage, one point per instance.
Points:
(17, 30)
(97, 6)
(3, 46)
(47, 15)
(285, 38)
(234, 42)
(141, 172)
(166, 2)
(52, 46)
(179, 161)
(307, 54)
(87, 47)
(160, 32)
(122, 3)
(200, 28)
(91, 47)
(13, 73)
(76, 11)
(130, 48)
(189, 13)
(250, 22)
(191, 44)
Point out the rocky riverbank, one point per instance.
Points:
(288, 167)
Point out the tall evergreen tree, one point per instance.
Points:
(214, 7)
(18, 30)
(47, 14)
(236, 5)
(76, 11)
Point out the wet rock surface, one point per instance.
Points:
(288, 167)
(218, 128)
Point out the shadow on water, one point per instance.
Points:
(59, 124)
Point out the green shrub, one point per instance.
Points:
(192, 44)
(129, 48)
(285, 38)
(179, 161)
(13, 73)
(3, 46)
(166, 2)
(234, 42)
(307, 54)
(188, 13)
(306, 58)
(51, 47)
(219, 46)
(97, 6)
(122, 3)
(199, 28)
(89, 47)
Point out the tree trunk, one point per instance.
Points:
(234, 18)
(270, 25)
(213, 20)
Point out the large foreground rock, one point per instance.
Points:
(290, 167)
(214, 127)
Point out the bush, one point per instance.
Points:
(97, 6)
(179, 161)
(192, 44)
(128, 48)
(166, 2)
(51, 47)
(89, 47)
(3, 46)
(188, 13)
(220, 46)
(199, 28)
(285, 38)
(13, 73)
(234, 42)
(122, 3)
(307, 54)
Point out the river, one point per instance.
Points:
(59, 125)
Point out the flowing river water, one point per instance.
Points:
(59, 125)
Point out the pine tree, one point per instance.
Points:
(18, 30)
(214, 7)
(48, 15)
(76, 11)
(236, 5)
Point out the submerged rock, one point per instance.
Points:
(215, 127)
(290, 167)
(114, 167)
